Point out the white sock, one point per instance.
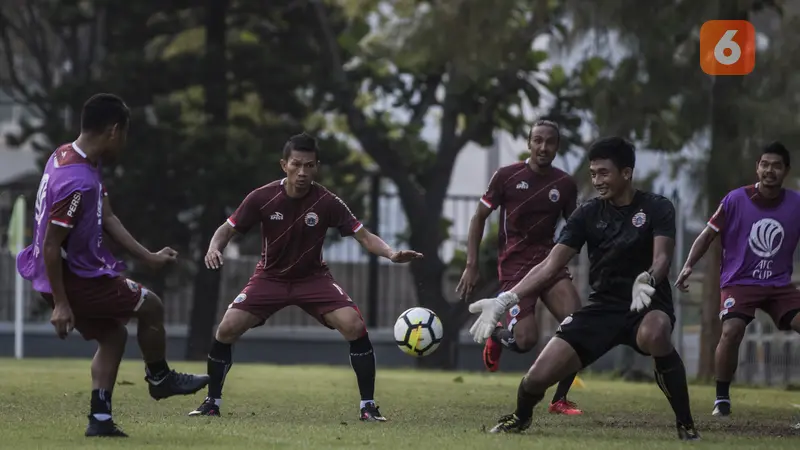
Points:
(102, 417)
(364, 403)
(723, 400)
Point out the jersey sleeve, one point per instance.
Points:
(717, 220)
(664, 219)
(342, 218)
(65, 212)
(493, 197)
(247, 214)
(574, 233)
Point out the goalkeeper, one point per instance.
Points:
(630, 239)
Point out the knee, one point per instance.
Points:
(795, 323)
(229, 331)
(656, 335)
(732, 332)
(352, 328)
(151, 309)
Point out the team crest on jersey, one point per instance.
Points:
(554, 195)
(312, 219)
(639, 219)
(728, 303)
(132, 285)
(514, 311)
(240, 298)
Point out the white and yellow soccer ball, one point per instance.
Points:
(418, 332)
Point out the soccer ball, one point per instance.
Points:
(418, 331)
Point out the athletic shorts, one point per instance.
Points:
(100, 305)
(527, 304)
(598, 327)
(782, 303)
(316, 295)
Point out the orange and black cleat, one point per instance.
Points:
(491, 353)
(565, 407)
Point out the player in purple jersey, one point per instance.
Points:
(294, 215)
(759, 230)
(78, 276)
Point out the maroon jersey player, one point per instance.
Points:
(532, 196)
(295, 214)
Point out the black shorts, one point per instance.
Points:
(598, 327)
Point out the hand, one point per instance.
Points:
(642, 291)
(214, 259)
(404, 256)
(490, 309)
(160, 258)
(680, 283)
(468, 281)
(62, 319)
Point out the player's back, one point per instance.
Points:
(531, 205)
(620, 242)
(293, 230)
(759, 237)
(70, 195)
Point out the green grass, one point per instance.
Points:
(269, 407)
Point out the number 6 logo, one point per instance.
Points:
(727, 47)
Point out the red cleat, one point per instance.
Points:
(566, 407)
(491, 353)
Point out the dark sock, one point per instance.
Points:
(505, 337)
(525, 402)
(723, 390)
(220, 360)
(100, 404)
(362, 358)
(671, 378)
(157, 370)
(563, 387)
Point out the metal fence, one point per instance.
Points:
(767, 355)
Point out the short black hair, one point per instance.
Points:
(545, 123)
(302, 142)
(619, 150)
(776, 148)
(102, 111)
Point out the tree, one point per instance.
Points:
(387, 84)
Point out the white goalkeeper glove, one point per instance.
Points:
(490, 309)
(642, 291)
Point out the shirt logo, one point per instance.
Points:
(276, 216)
(312, 219)
(514, 311)
(766, 237)
(639, 219)
(522, 185)
(554, 195)
(728, 303)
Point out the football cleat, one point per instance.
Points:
(176, 383)
(103, 428)
(511, 424)
(565, 407)
(687, 432)
(371, 413)
(208, 408)
(491, 353)
(722, 408)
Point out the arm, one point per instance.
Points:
(475, 235)
(113, 226)
(706, 237)
(222, 237)
(663, 241)
(373, 243)
(559, 256)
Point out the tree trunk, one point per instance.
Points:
(709, 313)
(207, 283)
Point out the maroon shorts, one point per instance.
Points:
(782, 303)
(100, 305)
(527, 304)
(317, 295)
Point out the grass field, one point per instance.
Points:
(45, 403)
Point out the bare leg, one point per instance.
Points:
(562, 300)
(726, 360)
(105, 365)
(234, 324)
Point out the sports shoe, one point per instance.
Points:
(510, 424)
(175, 383)
(565, 407)
(103, 428)
(208, 408)
(491, 353)
(371, 413)
(687, 432)
(722, 408)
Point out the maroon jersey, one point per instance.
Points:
(530, 205)
(292, 229)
